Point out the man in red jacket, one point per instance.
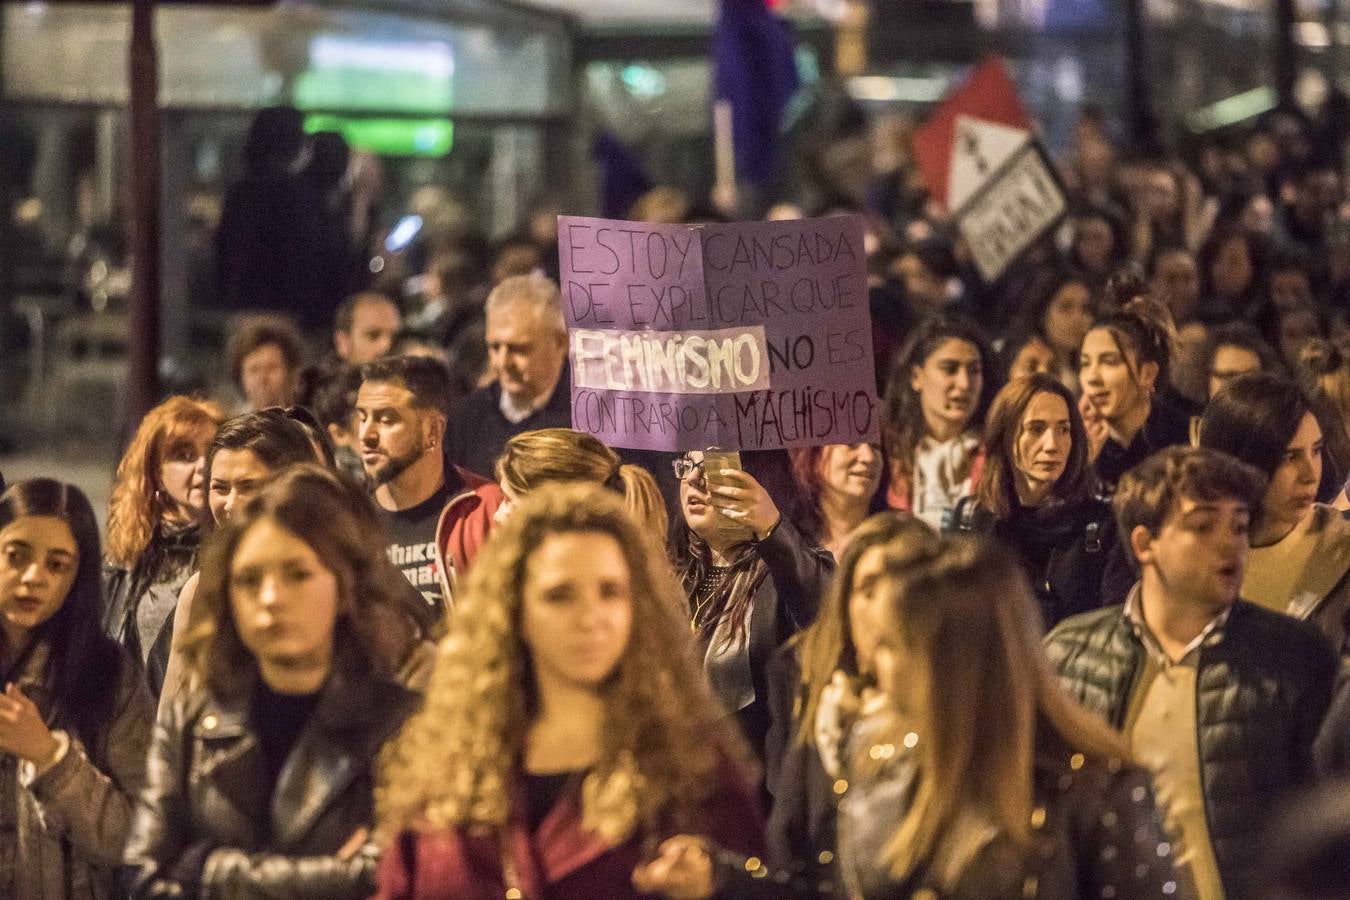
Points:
(438, 514)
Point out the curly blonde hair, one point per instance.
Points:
(456, 762)
(177, 426)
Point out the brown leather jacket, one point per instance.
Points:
(71, 821)
(196, 830)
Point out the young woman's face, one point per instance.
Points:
(1231, 272)
(577, 608)
(695, 501)
(866, 598)
(949, 383)
(1068, 317)
(1044, 439)
(38, 562)
(851, 471)
(1034, 358)
(1108, 383)
(1292, 489)
(284, 599)
(181, 477)
(236, 475)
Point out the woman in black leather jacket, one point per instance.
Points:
(260, 781)
(819, 685)
(1038, 496)
(981, 779)
(752, 580)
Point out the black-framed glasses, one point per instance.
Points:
(684, 467)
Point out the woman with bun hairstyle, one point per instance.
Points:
(261, 779)
(75, 713)
(155, 527)
(1299, 561)
(1128, 409)
(933, 411)
(569, 747)
(561, 455)
(1038, 496)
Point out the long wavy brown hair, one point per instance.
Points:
(456, 762)
(178, 427)
(376, 631)
(826, 646)
(979, 694)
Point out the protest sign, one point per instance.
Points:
(980, 159)
(746, 336)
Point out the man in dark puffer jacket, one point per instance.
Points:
(1185, 666)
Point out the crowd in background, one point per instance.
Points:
(376, 621)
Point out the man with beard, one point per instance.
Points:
(401, 413)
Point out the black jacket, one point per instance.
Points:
(1071, 554)
(1168, 425)
(196, 829)
(476, 430)
(784, 603)
(1097, 833)
(1262, 689)
(163, 568)
(801, 827)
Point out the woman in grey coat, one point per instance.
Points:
(75, 714)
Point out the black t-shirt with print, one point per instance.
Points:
(412, 542)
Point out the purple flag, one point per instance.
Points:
(755, 70)
(623, 179)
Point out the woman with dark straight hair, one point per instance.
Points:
(1038, 496)
(752, 580)
(75, 715)
(1299, 561)
(261, 780)
(933, 410)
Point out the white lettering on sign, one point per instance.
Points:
(1017, 206)
(727, 360)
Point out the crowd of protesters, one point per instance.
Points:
(378, 623)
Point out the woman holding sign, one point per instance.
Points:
(934, 407)
(752, 580)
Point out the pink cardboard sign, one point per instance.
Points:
(747, 336)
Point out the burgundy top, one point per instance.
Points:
(560, 860)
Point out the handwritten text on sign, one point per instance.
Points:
(746, 336)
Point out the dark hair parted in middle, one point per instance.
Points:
(997, 491)
(85, 667)
(902, 421)
(1254, 417)
(1150, 492)
(376, 629)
